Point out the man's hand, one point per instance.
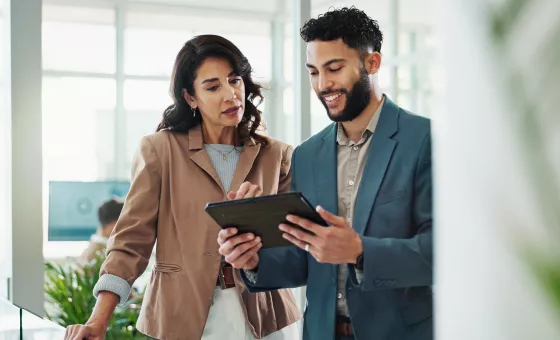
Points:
(337, 244)
(241, 250)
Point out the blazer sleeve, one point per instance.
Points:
(130, 246)
(285, 170)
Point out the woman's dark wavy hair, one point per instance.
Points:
(179, 116)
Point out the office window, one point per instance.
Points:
(152, 41)
(78, 133)
(258, 50)
(144, 102)
(79, 39)
(250, 36)
(146, 95)
(289, 52)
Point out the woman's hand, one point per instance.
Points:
(246, 190)
(241, 250)
(89, 332)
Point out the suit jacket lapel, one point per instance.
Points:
(325, 175)
(377, 160)
(325, 171)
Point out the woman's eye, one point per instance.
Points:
(213, 88)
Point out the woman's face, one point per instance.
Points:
(219, 93)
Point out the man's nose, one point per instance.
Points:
(324, 83)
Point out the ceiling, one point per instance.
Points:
(411, 12)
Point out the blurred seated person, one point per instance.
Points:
(108, 214)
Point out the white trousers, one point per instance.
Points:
(226, 321)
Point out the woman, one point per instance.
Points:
(206, 146)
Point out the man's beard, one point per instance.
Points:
(357, 99)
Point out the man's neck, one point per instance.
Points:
(354, 129)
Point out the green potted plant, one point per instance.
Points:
(69, 299)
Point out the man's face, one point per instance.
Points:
(339, 79)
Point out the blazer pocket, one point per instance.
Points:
(387, 197)
(419, 310)
(167, 268)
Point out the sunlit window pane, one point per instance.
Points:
(145, 101)
(79, 39)
(146, 95)
(152, 41)
(139, 123)
(78, 128)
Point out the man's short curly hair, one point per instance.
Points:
(356, 29)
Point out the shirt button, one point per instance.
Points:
(351, 182)
(339, 295)
(355, 148)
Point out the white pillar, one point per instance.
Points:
(5, 153)
(275, 100)
(486, 207)
(393, 42)
(121, 170)
(302, 87)
(27, 180)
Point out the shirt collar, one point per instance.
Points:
(342, 138)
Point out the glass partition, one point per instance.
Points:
(17, 323)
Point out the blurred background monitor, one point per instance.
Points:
(73, 207)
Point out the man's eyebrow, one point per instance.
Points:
(332, 61)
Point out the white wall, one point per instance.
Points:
(5, 151)
(486, 210)
(27, 158)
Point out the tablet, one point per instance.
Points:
(262, 215)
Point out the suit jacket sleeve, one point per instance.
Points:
(132, 241)
(282, 267)
(399, 263)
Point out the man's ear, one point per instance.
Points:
(189, 99)
(372, 62)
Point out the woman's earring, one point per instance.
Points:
(194, 112)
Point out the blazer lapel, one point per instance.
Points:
(246, 160)
(200, 157)
(377, 160)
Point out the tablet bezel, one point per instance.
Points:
(305, 209)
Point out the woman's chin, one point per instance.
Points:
(231, 120)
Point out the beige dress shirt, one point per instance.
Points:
(351, 158)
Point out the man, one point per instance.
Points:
(369, 274)
(108, 214)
